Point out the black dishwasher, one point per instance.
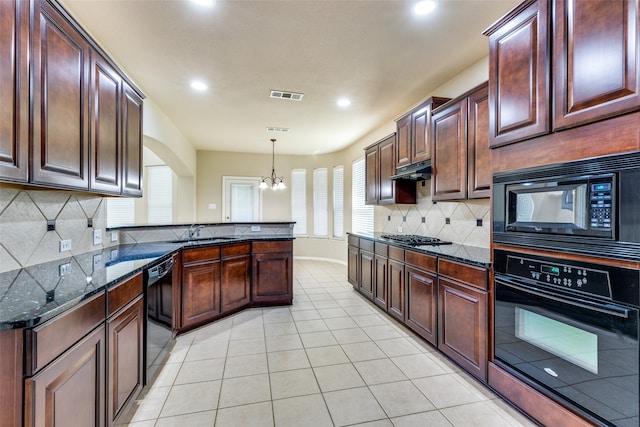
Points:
(159, 315)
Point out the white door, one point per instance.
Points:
(242, 199)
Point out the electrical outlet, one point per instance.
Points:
(97, 261)
(65, 245)
(400, 229)
(255, 228)
(97, 237)
(114, 236)
(63, 269)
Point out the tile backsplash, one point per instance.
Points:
(466, 222)
(24, 214)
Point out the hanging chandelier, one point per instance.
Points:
(277, 182)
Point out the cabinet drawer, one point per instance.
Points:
(47, 341)
(367, 245)
(474, 276)
(272, 246)
(423, 261)
(381, 249)
(396, 253)
(200, 254)
(354, 241)
(123, 293)
(236, 249)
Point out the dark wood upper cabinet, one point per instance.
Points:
(14, 90)
(478, 153)
(461, 158)
(105, 143)
(60, 101)
(449, 160)
(380, 165)
(596, 60)
(413, 143)
(132, 142)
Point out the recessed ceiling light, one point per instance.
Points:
(199, 86)
(204, 2)
(343, 102)
(424, 7)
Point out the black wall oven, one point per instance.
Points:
(588, 207)
(570, 329)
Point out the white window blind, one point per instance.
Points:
(361, 214)
(299, 201)
(159, 195)
(320, 203)
(338, 201)
(120, 211)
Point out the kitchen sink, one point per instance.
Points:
(204, 240)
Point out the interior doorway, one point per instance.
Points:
(242, 199)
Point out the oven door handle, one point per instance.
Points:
(612, 309)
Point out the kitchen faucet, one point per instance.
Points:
(194, 230)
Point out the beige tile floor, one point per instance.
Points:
(330, 359)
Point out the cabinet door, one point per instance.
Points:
(200, 293)
(352, 262)
(14, 90)
(272, 278)
(105, 137)
(421, 147)
(125, 346)
(596, 60)
(396, 289)
(372, 176)
(479, 155)
(131, 142)
(519, 77)
(60, 101)
(462, 326)
(421, 303)
(403, 144)
(449, 176)
(367, 273)
(386, 153)
(234, 289)
(381, 279)
(69, 391)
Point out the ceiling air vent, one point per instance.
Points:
(277, 129)
(293, 96)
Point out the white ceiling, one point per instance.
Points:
(376, 52)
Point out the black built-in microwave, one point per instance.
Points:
(590, 207)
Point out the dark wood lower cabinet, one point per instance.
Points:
(272, 278)
(396, 289)
(352, 275)
(200, 293)
(381, 280)
(367, 273)
(125, 344)
(421, 312)
(462, 325)
(70, 391)
(236, 280)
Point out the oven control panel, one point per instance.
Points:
(570, 277)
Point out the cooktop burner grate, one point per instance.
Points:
(414, 239)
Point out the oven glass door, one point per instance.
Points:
(582, 352)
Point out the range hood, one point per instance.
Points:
(417, 172)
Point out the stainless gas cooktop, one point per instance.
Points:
(414, 239)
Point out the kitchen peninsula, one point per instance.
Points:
(83, 319)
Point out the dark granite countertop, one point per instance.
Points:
(32, 295)
(457, 252)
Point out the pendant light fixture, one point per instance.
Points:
(277, 182)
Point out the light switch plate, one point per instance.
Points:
(255, 228)
(97, 237)
(114, 236)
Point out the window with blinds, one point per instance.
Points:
(361, 214)
(338, 201)
(120, 211)
(159, 195)
(320, 203)
(299, 201)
